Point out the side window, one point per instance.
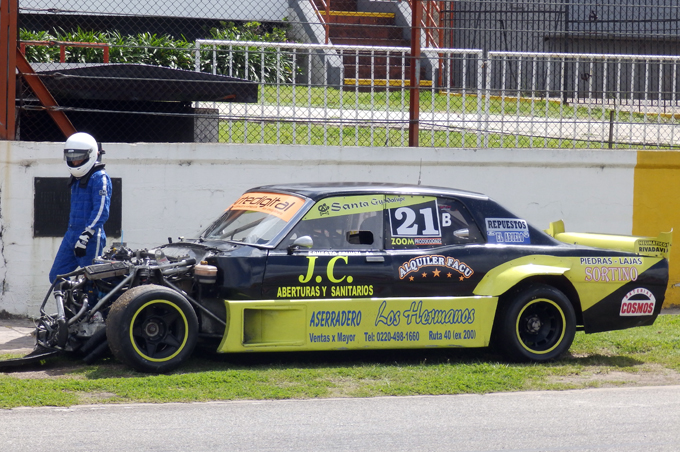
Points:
(347, 222)
(458, 227)
(427, 222)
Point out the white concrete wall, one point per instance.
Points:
(178, 189)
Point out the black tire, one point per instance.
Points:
(152, 329)
(537, 324)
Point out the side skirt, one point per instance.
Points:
(361, 323)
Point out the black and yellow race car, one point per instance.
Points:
(351, 266)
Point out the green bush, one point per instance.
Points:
(39, 54)
(164, 50)
(252, 63)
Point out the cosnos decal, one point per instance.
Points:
(638, 301)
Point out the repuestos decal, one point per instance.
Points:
(507, 231)
(417, 263)
(638, 301)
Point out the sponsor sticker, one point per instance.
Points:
(346, 205)
(281, 206)
(638, 301)
(652, 246)
(417, 264)
(512, 231)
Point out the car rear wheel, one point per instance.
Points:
(538, 324)
(152, 329)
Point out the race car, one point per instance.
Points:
(351, 266)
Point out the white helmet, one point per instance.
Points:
(83, 149)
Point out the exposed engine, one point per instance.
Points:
(84, 297)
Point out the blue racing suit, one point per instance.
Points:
(90, 201)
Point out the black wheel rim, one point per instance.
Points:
(540, 326)
(159, 330)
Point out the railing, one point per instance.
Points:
(322, 19)
(508, 99)
(431, 22)
(62, 47)
(316, 106)
(612, 100)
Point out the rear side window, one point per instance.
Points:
(341, 223)
(428, 222)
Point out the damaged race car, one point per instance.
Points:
(304, 267)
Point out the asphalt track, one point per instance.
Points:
(623, 420)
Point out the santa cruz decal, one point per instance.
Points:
(417, 263)
(510, 231)
(638, 301)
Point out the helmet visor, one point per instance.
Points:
(75, 154)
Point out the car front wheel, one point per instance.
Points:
(152, 329)
(538, 324)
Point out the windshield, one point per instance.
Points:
(256, 218)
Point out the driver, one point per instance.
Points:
(90, 199)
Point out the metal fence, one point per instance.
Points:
(517, 73)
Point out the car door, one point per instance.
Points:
(345, 257)
(435, 245)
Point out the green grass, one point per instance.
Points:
(334, 132)
(397, 100)
(269, 132)
(618, 358)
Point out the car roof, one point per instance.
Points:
(319, 190)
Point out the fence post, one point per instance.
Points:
(414, 98)
(8, 50)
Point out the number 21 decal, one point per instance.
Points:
(415, 221)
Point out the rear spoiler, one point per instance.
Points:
(647, 246)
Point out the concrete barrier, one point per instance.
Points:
(171, 190)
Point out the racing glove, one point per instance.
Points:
(81, 245)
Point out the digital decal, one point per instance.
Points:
(281, 206)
